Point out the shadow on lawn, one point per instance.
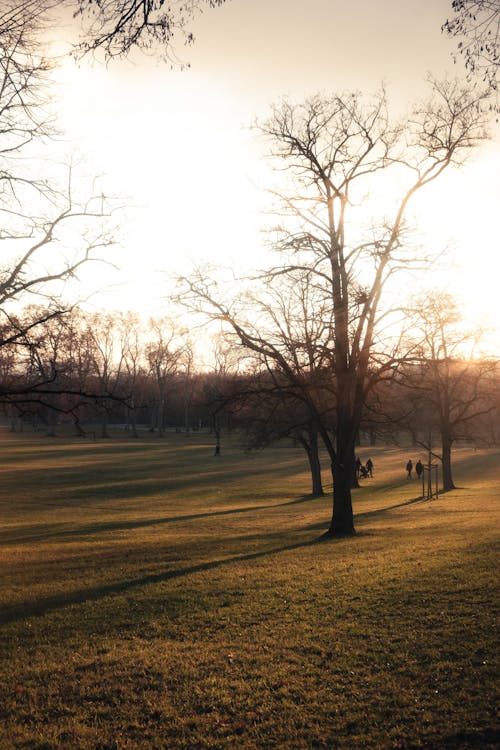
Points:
(466, 740)
(80, 596)
(49, 604)
(39, 533)
(379, 511)
(47, 532)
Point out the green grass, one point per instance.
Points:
(155, 596)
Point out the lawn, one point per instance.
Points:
(156, 596)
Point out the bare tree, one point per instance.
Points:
(130, 332)
(217, 399)
(336, 150)
(295, 319)
(476, 25)
(117, 26)
(164, 351)
(52, 372)
(46, 367)
(451, 384)
(107, 359)
(80, 350)
(49, 229)
(188, 382)
(268, 411)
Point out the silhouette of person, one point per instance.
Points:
(358, 466)
(217, 450)
(369, 467)
(409, 468)
(419, 467)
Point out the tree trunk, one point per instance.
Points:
(159, 418)
(446, 454)
(314, 463)
(104, 426)
(347, 425)
(354, 476)
(79, 431)
(217, 431)
(133, 422)
(343, 468)
(51, 424)
(342, 523)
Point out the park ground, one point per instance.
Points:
(155, 596)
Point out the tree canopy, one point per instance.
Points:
(116, 26)
(476, 24)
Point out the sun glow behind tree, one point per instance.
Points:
(177, 146)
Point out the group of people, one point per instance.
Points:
(363, 471)
(419, 467)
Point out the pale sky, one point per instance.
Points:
(177, 143)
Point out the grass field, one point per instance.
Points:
(156, 596)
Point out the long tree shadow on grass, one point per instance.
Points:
(80, 596)
(39, 533)
(47, 532)
(467, 740)
(48, 604)
(402, 504)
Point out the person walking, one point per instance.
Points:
(419, 467)
(369, 468)
(409, 468)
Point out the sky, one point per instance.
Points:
(178, 146)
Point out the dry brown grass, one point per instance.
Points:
(154, 596)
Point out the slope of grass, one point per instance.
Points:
(156, 596)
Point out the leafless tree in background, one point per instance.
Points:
(165, 349)
(450, 384)
(130, 333)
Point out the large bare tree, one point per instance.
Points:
(49, 227)
(337, 151)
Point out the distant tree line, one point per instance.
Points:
(94, 370)
(100, 368)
